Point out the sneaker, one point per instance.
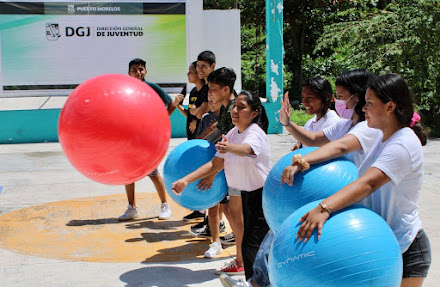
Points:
(222, 227)
(130, 213)
(165, 211)
(229, 282)
(231, 268)
(202, 229)
(200, 224)
(215, 249)
(228, 239)
(194, 215)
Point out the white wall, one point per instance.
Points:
(217, 31)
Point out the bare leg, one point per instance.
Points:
(412, 282)
(213, 222)
(236, 221)
(160, 187)
(129, 190)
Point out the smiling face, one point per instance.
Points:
(192, 75)
(217, 93)
(376, 112)
(138, 71)
(242, 114)
(311, 102)
(204, 69)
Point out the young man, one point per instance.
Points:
(221, 90)
(205, 65)
(137, 69)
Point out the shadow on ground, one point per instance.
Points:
(166, 276)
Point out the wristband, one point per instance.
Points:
(285, 125)
(324, 206)
(298, 159)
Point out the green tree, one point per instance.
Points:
(253, 40)
(402, 38)
(304, 22)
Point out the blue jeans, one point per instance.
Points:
(261, 273)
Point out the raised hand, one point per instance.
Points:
(285, 110)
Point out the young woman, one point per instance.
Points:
(244, 153)
(316, 96)
(391, 176)
(348, 136)
(198, 102)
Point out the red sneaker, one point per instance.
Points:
(231, 268)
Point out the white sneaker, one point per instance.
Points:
(229, 282)
(165, 211)
(130, 213)
(215, 249)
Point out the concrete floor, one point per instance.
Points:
(39, 175)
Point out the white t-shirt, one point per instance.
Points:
(401, 159)
(328, 119)
(338, 129)
(365, 135)
(247, 173)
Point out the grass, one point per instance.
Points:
(299, 117)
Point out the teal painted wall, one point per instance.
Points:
(37, 126)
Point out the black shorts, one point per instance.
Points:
(225, 200)
(417, 259)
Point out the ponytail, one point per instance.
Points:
(255, 104)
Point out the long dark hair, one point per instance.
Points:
(323, 90)
(356, 82)
(255, 104)
(393, 88)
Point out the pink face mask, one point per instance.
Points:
(341, 108)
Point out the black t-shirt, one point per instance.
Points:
(196, 98)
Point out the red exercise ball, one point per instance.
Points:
(114, 129)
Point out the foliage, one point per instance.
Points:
(253, 41)
(299, 117)
(402, 38)
(326, 37)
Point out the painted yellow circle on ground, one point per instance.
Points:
(87, 229)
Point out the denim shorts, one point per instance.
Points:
(417, 259)
(234, 192)
(154, 172)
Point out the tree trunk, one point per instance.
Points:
(297, 38)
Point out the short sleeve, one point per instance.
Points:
(162, 94)
(365, 135)
(337, 130)
(395, 162)
(253, 139)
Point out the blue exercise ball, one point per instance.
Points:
(186, 158)
(357, 248)
(318, 182)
